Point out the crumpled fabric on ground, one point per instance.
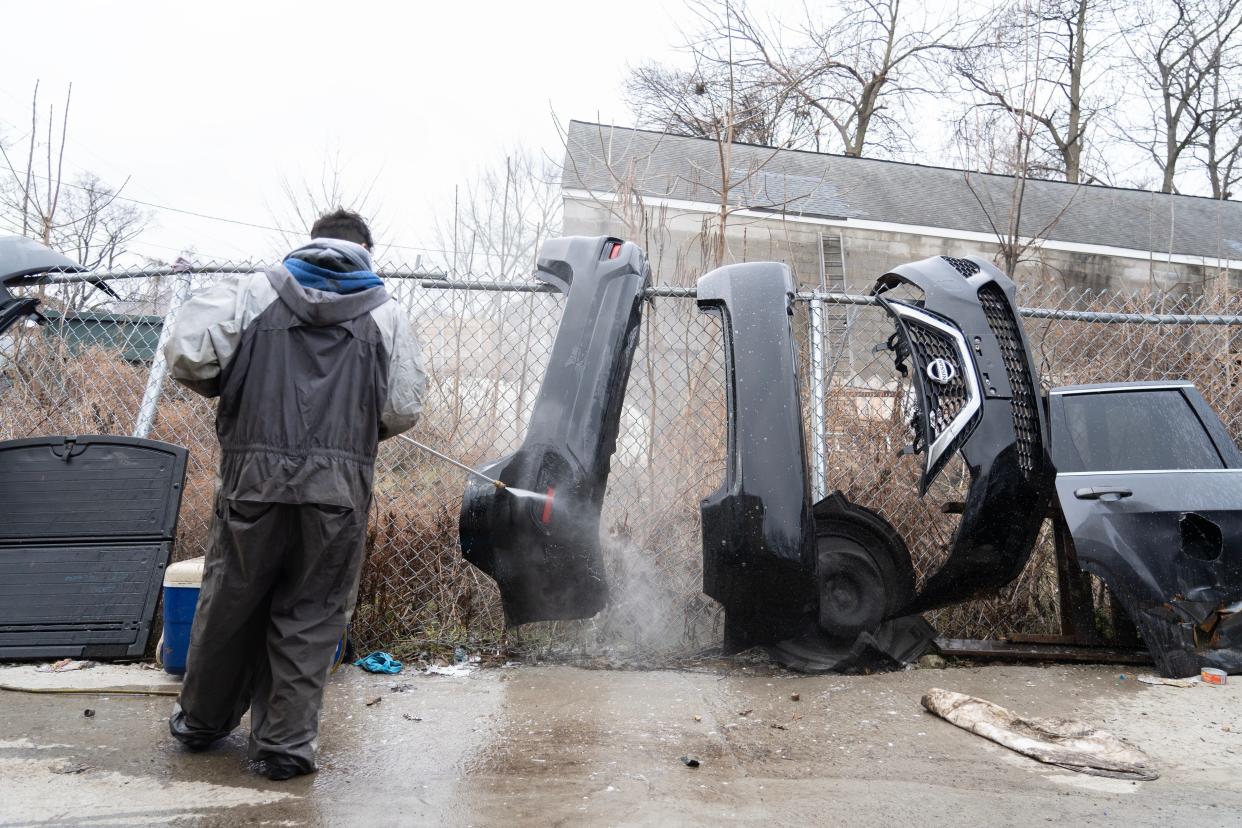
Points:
(1066, 743)
(379, 662)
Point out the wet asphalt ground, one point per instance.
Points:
(557, 745)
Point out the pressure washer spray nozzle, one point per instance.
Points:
(520, 494)
(458, 464)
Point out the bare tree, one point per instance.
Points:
(501, 217)
(37, 197)
(1178, 56)
(1220, 110)
(855, 66)
(727, 113)
(1075, 44)
(1013, 131)
(1222, 142)
(499, 220)
(96, 228)
(304, 201)
(689, 102)
(83, 218)
(984, 140)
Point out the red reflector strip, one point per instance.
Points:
(615, 252)
(547, 507)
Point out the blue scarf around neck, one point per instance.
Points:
(331, 281)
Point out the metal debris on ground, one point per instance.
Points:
(375, 701)
(690, 761)
(410, 718)
(1066, 743)
(1169, 682)
(89, 713)
(795, 696)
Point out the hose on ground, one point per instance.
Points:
(92, 691)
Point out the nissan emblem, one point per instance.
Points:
(941, 371)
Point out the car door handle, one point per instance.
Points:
(1101, 493)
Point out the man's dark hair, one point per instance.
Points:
(342, 224)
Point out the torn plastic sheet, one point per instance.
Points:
(891, 646)
(1184, 642)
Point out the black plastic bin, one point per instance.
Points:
(87, 526)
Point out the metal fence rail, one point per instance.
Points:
(487, 342)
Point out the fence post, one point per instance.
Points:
(159, 367)
(819, 452)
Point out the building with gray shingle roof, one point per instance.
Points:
(790, 205)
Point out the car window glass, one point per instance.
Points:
(1137, 430)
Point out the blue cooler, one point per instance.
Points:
(182, 582)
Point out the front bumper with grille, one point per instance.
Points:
(977, 392)
(946, 384)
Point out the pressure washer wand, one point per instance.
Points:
(448, 459)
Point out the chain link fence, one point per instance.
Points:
(94, 368)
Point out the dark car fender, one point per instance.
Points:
(758, 543)
(544, 554)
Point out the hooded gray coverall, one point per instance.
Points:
(308, 383)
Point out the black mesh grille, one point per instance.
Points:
(963, 266)
(945, 400)
(1025, 417)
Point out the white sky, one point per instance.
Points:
(207, 110)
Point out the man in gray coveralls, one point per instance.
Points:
(313, 364)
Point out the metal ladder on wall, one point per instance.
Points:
(832, 280)
(829, 343)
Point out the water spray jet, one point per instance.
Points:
(521, 494)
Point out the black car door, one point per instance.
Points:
(1150, 484)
